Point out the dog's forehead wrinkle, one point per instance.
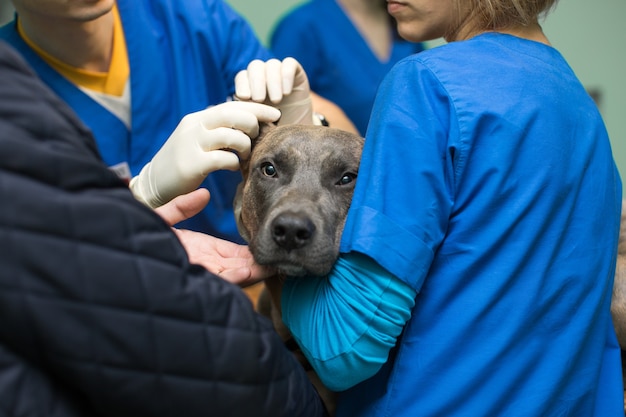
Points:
(301, 141)
(320, 163)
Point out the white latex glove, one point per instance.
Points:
(203, 142)
(282, 84)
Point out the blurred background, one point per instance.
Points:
(590, 35)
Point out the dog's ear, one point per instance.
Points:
(237, 205)
(264, 129)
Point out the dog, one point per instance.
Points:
(291, 208)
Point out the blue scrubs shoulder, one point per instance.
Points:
(183, 57)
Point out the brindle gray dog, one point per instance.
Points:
(298, 184)
(292, 204)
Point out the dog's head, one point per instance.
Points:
(292, 204)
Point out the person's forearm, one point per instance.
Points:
(335, 116)
(347, 323)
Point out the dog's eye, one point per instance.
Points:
(268, 169)
(347, 178)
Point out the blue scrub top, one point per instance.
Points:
(488, 184)
(340, 65)
(183, 57)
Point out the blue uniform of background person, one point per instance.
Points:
(498, 225)
(183, 57)
(340, 65)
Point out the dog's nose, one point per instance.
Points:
(291, 230)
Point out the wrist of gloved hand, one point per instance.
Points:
(203, 142)
(141, 188)
(300, 112)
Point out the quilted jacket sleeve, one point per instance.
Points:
(97, 294)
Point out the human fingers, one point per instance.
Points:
(184, 206)
(227, 139)
(256, 80)
(234, 113)
(289, 70)
(274, 80)
(242, 85)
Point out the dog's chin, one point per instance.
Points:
(295, 263)
(292, 270)
(295, 270)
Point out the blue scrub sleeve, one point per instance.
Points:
(346, 323)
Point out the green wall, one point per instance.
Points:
(263, 14)
(590, 34)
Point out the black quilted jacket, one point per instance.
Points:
(100, 312)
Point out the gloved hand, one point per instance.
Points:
(282, 84)
(202, 142)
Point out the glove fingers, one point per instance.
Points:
(289, 70)
(215, 160)
(242, 85)
(262, 112)
(221, 140)
(274, 80)
(263, 80)
(242, 115)
(257, 80)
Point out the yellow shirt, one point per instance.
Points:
(110, 83)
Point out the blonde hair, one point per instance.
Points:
(486, 15)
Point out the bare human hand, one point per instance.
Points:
(228, 260)
(184, 206)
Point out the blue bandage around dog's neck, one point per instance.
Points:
(347, 323)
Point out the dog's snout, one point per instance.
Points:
(292, 230)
